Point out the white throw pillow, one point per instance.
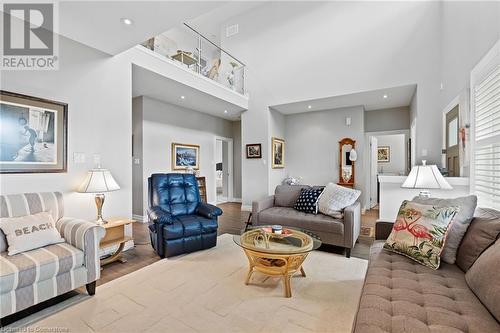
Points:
(335, 198)
(29, 232)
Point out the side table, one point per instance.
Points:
(115, 235)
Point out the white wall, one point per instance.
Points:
(238, 155)
(356, 48)
(166, 123)
(387, 119)
(137, 172)
(97, 89)
(469, 30)
(397, 161)
(313, 144)
(277, 130)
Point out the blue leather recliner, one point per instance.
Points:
(179, 221)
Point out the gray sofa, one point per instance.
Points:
(400, 295)
(278, 209)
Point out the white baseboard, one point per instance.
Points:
(246, 208)
(236, 200)
(139, 218)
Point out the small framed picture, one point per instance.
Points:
(254, 150)
(384, 154)
(278, 153)
(185, 156)
(33, 134)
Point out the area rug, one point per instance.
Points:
(205, 291)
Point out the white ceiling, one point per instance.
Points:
(150, 84)
(98, 23)
(371, 100)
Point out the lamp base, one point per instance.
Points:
(99, 202)
(425, 194)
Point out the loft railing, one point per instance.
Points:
(197, 53)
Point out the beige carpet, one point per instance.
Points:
(204, 292)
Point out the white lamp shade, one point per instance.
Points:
(426, 177)
(98, 181)
(353, 155)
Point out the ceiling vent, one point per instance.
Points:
(232, 30)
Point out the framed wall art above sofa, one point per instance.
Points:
(33, 134)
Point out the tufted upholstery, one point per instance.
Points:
(401, 295)
(175, 193)
(179, 221)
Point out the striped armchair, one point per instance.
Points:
(35, 276)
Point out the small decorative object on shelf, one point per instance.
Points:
(292, 180)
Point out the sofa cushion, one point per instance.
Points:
(399, 295)
(29, 232)
(307, 202)
(460, 223)
(335, 198)
(290, 217)
(189, 225)
(286, 195)
(420, 232)
(482, 232)
(16, 205)
(483, 276)
(29, 267)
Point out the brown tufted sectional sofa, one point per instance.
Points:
(402, 296)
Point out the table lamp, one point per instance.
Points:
(426, 177)
(99, 181)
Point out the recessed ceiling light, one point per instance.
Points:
(127, 21)
(309, 106)
(182, 97)
(385, 96)
(225, 111)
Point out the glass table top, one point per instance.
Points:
(290, 241)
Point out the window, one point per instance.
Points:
(485, 106)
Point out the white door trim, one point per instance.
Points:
(230, 167)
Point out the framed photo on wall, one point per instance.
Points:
(254, 150)
(33, 134)
(383, 154)
(185, 156)
(278, 153)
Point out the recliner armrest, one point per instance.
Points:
(158, 215)
(207, 210)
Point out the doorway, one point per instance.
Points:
(452, 154)
(223, 169)
(388, 154)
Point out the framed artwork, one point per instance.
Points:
(33, 134)
(185, 156)
(383, 154)
(278, 153)
(254, 150)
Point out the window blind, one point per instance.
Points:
(486, 177)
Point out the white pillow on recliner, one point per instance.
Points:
(29, 232)
(335, 198)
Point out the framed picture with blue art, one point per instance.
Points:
(33, 134)
(185, 156)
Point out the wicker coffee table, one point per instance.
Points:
(276, 254)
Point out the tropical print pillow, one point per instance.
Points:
(420, 232)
